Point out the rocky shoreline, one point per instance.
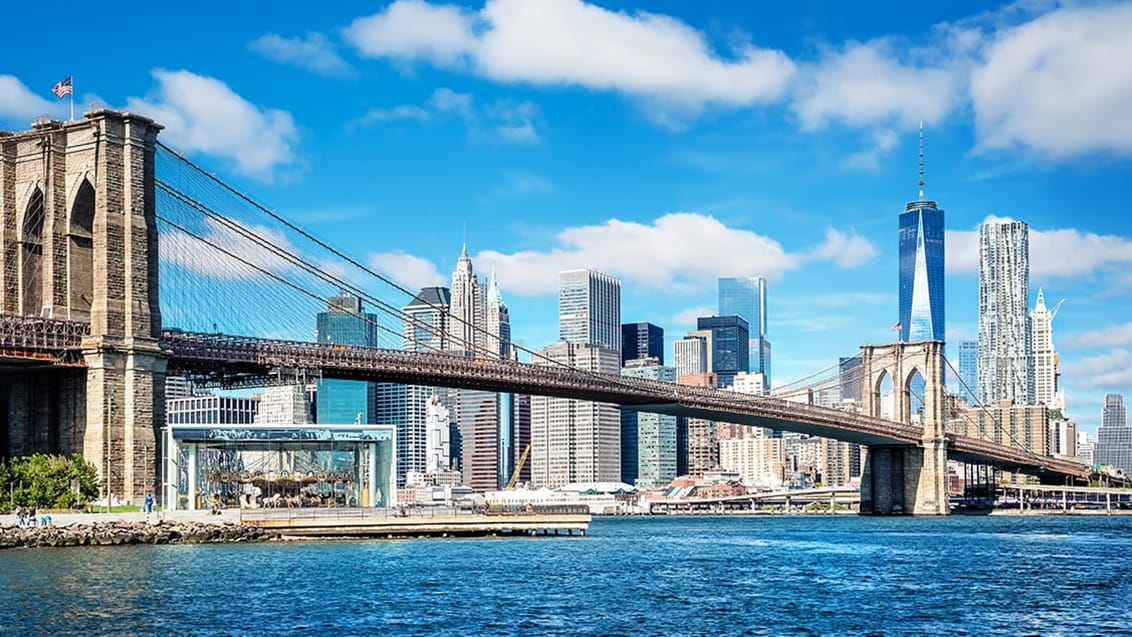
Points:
(120, 533)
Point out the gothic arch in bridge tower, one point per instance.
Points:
(80, 252)
(903, 363)
(31, 254)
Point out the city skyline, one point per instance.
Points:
(784, 149)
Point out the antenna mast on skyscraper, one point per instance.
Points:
(921, 160)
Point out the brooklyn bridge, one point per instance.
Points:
(121, 261)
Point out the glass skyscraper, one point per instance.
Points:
(921, 267)
(968, 370)
(729, 342)
(641, 340)
(648, 440)
(344, 402)
(1114, 436)
(425, 329)
(746, 297)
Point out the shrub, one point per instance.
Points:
(48, 481)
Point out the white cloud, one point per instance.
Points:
(379, 115)
(412, 29)
(411, 271)
(313, 53)
(20, 105)
(1112, 370)
(627, 250)
(882, 141)
(505, 120)
(203, 114)
(846, 250)
(1111, 336)
(687, 317)
(1053, 253)
(569, 42)
(864, 84)
(1058, 84)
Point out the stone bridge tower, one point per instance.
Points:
(906, 479)
(78, 241)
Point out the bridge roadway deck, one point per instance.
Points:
(196, 353)
(252, 360)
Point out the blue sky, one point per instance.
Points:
(667, 143)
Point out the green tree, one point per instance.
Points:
(48, 481)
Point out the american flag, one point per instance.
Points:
(63, 87)
(897, 327)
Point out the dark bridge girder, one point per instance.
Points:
(214, 355)
(217, 356)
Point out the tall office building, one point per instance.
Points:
(426, 320)
(497, 322)
(1114, 436)
(424, 329)
(968, 371)
(641, 340)
(438, 431)
(479, 325)
(648, 440)
(1005, 368)
(521, 439)
(575, 440)
(283, 405)
(589, 309)
(691, 354)
(921, 266)
(1086, 448)
(729, 342)
(346, 323)
(701, 448)
(1113, 414)
(851, 378)
(746, 297)
(1045, 356)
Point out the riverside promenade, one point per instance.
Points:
(250, 525)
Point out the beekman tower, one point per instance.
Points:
(921, 266)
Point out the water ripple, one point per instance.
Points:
(629, 576)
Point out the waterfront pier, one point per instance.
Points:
(362, 522)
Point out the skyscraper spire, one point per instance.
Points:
(921, 160)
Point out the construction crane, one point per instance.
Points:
(518, 468)
(1053, 312)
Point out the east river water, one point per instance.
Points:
(754, 575)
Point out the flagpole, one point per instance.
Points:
(72, 98)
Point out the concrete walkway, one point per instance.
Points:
(66, 519)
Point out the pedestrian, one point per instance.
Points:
(21, 516)
(149, 503)
(31, 514)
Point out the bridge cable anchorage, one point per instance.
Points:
(308, 236)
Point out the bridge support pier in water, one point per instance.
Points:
(906, 479)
